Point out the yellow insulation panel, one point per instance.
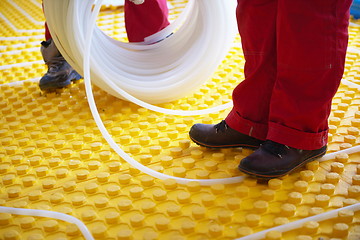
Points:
(53, 157)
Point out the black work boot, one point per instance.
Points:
(274, 160)
(60, 73)
(221, 136)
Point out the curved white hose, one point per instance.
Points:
(298, 224)
(49, 214)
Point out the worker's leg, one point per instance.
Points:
(59, 73)
(312, 40)
(257, 27)
(145, 19)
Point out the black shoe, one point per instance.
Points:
(274, 160)
(221, 136)
(60, 73)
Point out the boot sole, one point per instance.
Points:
(52, 86)
(262, 176)
(224, 146)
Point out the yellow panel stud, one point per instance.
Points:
(332, 178)
(136, 192)
(179, 172)
(69, 186)
(353, 131)
(113, 190)
(78, 200)
(224, 216)
(244, 231)
(306, 175)
(112, 217)
(215, 230)
(198, 212)
(124, 204)
(310, 228)
(197, 154)
(88, 215)
(11, 235)
(51, 225)
(280, 221)
(34, 195)
(340, 230)
(5, 218)
(27, 222)
(170, 184)
(288, 210)
(217, 188)
(252, 220)
(13, 192)
(125, 234)
(337, 167)
(124, 179)
(137, 220)
(188, 226)
(260, 206)
(101, 202)
(91, 188)
(327, 189)
(354, 191)
(159, 195)
(173, 210)
(72, 230)
(233, 203)
(102, 177)
(295, 198)
(275, 184)
(162, 223)
(148, 207)
(312, 166)
(322, 200)
(56, 198)
(273, 235)
(346, 216)
(99, 231)
(268, 195)
(183, 197)
(356, 180)
(193, 186)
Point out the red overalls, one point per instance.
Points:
(141, 20)
(295, 55)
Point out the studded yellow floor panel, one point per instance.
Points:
(53, 157)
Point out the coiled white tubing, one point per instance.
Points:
(53, 7)
(152, 72)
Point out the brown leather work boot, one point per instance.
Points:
(60, 73)
(221, 136)
(274, 160)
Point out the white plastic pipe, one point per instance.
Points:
(298, 224)
(49, 214)
(148, 73)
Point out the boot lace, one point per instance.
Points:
(275, 148)
(221, 126)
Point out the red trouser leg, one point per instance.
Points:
(257, 28)
(311, 40)
(146, 19)
(141, 20)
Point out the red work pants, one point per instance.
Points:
(141, 20)
(295, 55)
